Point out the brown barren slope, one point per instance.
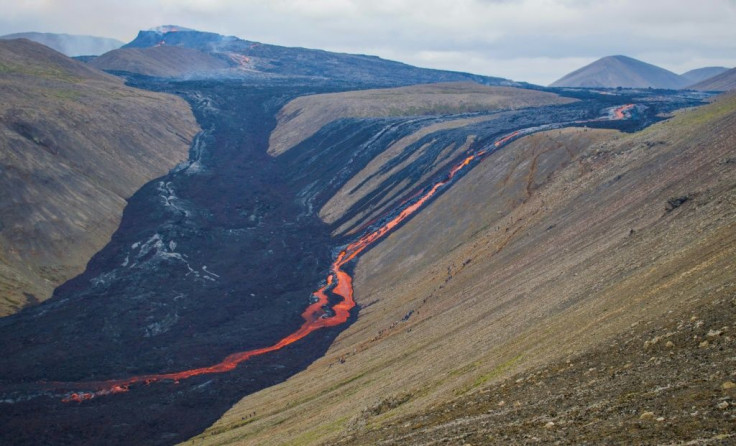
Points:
(722, 82)
(557, 247)
(160, 61)
(75, 143)
(304, 116)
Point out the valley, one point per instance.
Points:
(157, 310)
(346, 223)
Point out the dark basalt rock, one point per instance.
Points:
(675, 202)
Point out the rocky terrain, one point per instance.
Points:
(621, 71)
(667, 381)
(76, 143)
(611, 251)
(722, 82)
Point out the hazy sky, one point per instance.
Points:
(530, 40)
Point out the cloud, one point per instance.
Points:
(532, 40)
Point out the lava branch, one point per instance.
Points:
(338, 282)
(621, 112)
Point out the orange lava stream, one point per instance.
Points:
(620, 112)
(315, 316)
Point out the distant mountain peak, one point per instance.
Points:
(621, 71)
(619, 57)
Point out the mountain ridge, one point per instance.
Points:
(248, 59)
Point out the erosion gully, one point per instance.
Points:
(218, 260)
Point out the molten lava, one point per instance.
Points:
(239, 59)
(338, 282)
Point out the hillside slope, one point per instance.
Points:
(621, 71)
(160, 61)
(701, 74)
(722, 82)
(70, 44)
(304, 116)
(551, 248)
(75, 144)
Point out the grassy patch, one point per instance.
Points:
(495, 373)
(50, 73)
(67, 95)
(5, 68)
(320, 432)
(718, 109)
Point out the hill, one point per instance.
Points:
(530, 286)
(76, 143)
(722, 82)
(304, 116)
(701, 74)
(70, 44)
(248, 59)
(621, 71)
(160, 61)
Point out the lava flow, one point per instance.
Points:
(620, 112)
(318, 314)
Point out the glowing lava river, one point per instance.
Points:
(320, 313)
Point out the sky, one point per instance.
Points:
(536, 41)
